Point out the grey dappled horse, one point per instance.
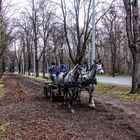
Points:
(87, 80)
(70, 78)
(66, 81)
(87, 76)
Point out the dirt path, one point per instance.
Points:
(32, 117)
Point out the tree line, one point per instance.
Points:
(61, 32)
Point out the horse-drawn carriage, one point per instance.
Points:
(70, 85)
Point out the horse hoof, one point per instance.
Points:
(92, 105)
(69, 106)
(72, 111)
(59, 104)
(79, 101)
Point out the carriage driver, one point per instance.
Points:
(53, 70)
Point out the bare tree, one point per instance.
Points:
(18, 53)
(34, 20)
(112, 26)
(76, 37)
(133, 34)
(0, 5)
(6, 36)
(112, 41)
(46, 17)
(57, 35)
(25, 30)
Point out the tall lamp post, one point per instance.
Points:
(93, 49)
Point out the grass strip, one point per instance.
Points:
(40, 78)
(1, 88)
(4, 128)
(119, 92)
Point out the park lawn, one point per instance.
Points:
(4, 129)
(119, 92)
(39, 78)
(1, 88)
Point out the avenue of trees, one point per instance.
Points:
(61, 31)
(6, 33)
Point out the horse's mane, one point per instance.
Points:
(91, 67)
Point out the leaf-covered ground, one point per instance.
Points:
(25, 114)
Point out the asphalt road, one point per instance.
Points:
(118, 80)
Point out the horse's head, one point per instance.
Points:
(78, 70)
(99, 67)
(83, 74)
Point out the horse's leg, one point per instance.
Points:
(65, 95)
(70, 103)
(79, 95)
(60, 94)
(75, 93)
(59, 90)
(91, 100)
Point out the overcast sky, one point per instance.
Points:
(21, 4)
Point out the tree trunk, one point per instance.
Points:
(136, 73)
(36, 65)
(61, 56)
(133, 34)
(3, 65)
(113, 65)
(19, 68)
(29, 64)
(0, 5)
(28, 56)
(36, 53)
(44, 62)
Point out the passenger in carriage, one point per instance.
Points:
(55, 70)
(63, 68)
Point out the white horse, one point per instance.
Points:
(66, 81)
(87, 80)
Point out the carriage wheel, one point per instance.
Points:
(46, 90)
(52, 96)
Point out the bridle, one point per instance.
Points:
(97, 67)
